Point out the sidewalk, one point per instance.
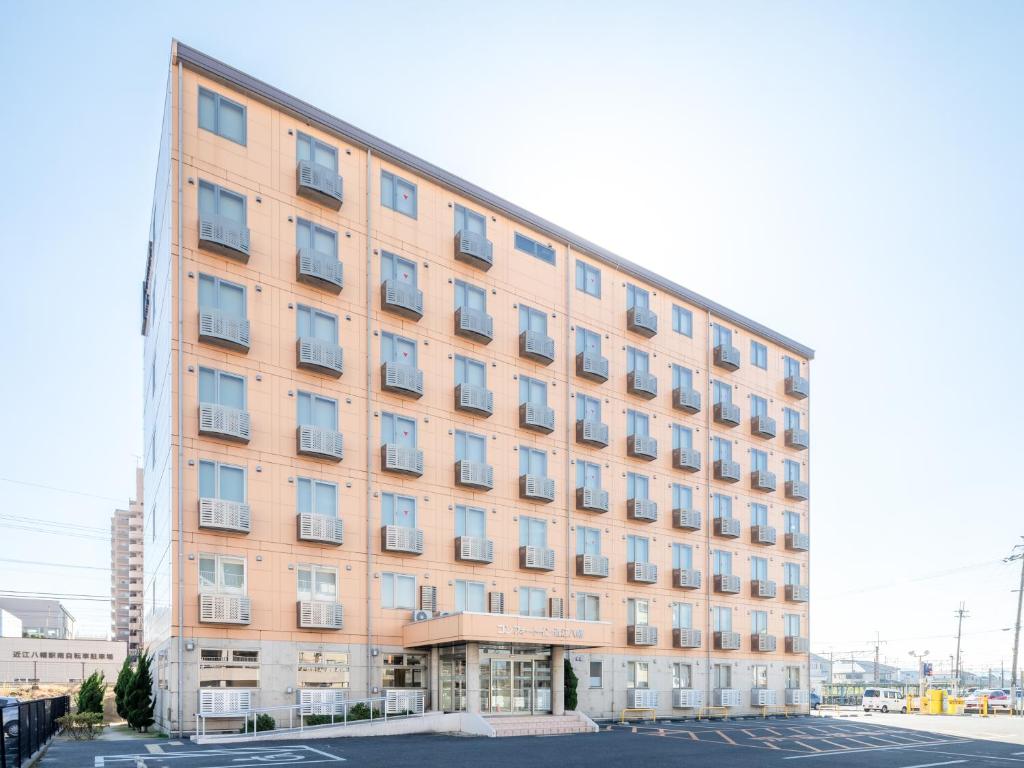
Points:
(992, 728)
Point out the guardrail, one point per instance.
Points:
(36, 724)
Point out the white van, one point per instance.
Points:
(884, 700)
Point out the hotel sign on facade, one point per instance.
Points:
(489, 627)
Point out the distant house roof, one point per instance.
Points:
(37, 612)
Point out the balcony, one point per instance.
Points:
(686, 519)
(727, 414)
(686, 578)
(762, 426)
(400, 539)
(401, 460)
(641, 634)
(592, 565)
(539, 418)
(319, 183)
(686, 459)
(221, 421)
(797, 490)
(727, 584)
(593, 433)
(224, 609)
(320, 614)
(593, 367)
(222, 515)
(536, 558)
(537, 347)
(642, 320)
(319, 356)
(474, 474)
(642, 510)
(225, 237)
(319, 270)
(322, 529)
(224, 329)
(798, 542)
(474, 249)
(686, 399)
(686, 638)
(727, 471)
(761, 642)
(797, 697)
(643, 384)
(474, 549)
(475, 325)
(799, 439)
(763, 589)
(798, 387)
(728, 527)
(762, 480)
(762, 534)
(319, 443)
(642, 447)
(726, 697)
(727, 356)
(399, 379)
(687, 698)
(797, 644)
(641, 698)
(536, 488)
(798, 593)
(402, 299)
(473, 399)
(591, 499)
(642, 573)
(763, 697)
(728, 641)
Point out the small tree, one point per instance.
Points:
(139, 701)
(122, 686)
(571, 681)
(90, 695)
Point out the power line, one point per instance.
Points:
(60, 490)
(60, 523)
(58, 565)
(51, 595)
(925, 577)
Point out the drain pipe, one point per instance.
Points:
(180, 419)
(369, 430)
(708, 523)
(569, 612)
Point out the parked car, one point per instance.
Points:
(998, 700)
(815, 700)
(884, 700)
(9, 704)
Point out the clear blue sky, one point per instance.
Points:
(849, 173)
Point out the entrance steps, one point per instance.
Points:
(541, 725)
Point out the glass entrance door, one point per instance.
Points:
(501, 685)
(453, 682)
(522, 677)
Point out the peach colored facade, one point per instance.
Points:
(263, 170)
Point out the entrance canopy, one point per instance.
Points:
(506, 628)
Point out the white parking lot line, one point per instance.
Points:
(834, 752)
(932, 765)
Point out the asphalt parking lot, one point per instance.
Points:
(781, 743)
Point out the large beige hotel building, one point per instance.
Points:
(406, 439)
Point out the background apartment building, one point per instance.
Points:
(405, 437)
(126, 572)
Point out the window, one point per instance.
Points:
(533, 601)
(217, 202)
(721, 505)
(588, 540)
(596, 674)
(397, 268)
(588, 278)
(399, 430)
(533, 532)
(721, 337)
(221, 295)
(758, 461)
(535, 249)
(398, 194)
(682, 496)
(221, 116)
(791, 623)
(682, 556)
(469, 296)
(312, 323)
(758, 406)
(399, 510)
(721, 617)
(792, 677)
(470, 521)
(636, 297)
(637, 361)
(721, 563)
(792, 521)
(397, 349)
(682, 675)
(470, 371)
(588, 408)
(792, 470)
(637, 549)
(637, 486)
(221, 574)
(588, 474)
(220, 388)
(637, 424)
(470, 221)
(315, 151)
(221, 481)
(317, 411)
(638, 675)
(313, 237)
(404, 670)
(532, 320)
(721, 676)
(682, 320)
(758, 514)
(318, 583)
(759, 354)
(682, 437)
(397, 590)
(228, 668)
(638, 612)
(588, 607)
(588, 342)
(532, 391)
(682, 378)
(469, 596)
(682, 616)
(790, 366)
(759, 673)
(532, 462)
(470, 447)
(791, 573)
(721, 449)
(790, 418)
(721, 392)
(759, 568)
(316, 497)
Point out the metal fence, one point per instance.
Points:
(28, 726)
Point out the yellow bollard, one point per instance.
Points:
(983, 706)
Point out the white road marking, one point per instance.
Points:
(240, 757)
(932, 765)
(154, 749)
(964, 754)
(877, 749)
(98, 763)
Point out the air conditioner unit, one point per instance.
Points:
(422, 615)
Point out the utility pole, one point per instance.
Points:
(878, 642)
(959, 613)
(1016, 554)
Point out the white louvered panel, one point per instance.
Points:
(727, 583)
(472, 398)
(642, 320)
(320, 269)
(322, 443)
(686, 459)
(322, 701)
(641, 698)
(727, 413)
(496, 602)
(403, 379)
(398, 538)
(642, 634)
(686, 638)
(687, 519)
(797, 697)
(727, 356)
(556, 608)
(763, 588)
(539, 417)
(762, 534)
(687, 698)
(592, 565)
(642, 447)
(312, 527)
(685, 399)
(474, 549)
(321, 183)
(224, 515)
(762, 642)
(592, 366)
(537, 346)
(727, 697)
(224, 235)
(728, 641)
(428, 598)
(474, 474)
(763, 697)
(319, 614)
(221, 421)
(219, 701)
(224, 609)
(218, 326)
(644, 510)
(474, 323)
(316, 353)
(646, 573)
(398, 458)
(687, 578)
(403, 297)
(401, 701)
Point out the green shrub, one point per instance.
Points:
(81, 725)
(265, 722)
(362, 712)
(321, 719)
(122, 686)
(90, 695)
(571, 682)
(139, 697)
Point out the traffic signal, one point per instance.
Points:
(927, 666)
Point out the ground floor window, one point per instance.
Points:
(792, 677)
(405, 670)
(759, 674)
(638, 674)
(682, 675)
(596, 674)
(721, 675)
(322, 669)
(229, 668)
